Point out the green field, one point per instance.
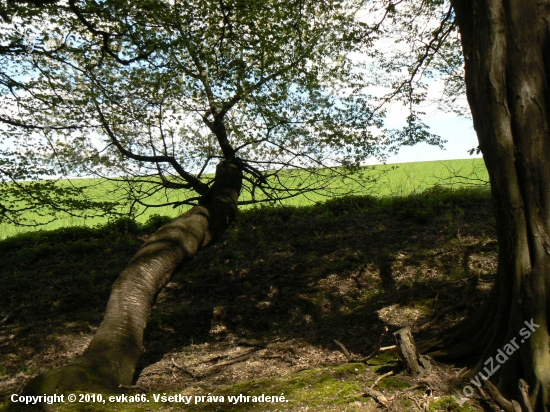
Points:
(380, 181)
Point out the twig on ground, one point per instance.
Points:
(183, 369)
(417, 386)
(378, 350)
(462, 372)
(418, 405)
(214, 359)
(351, 358)
(379, 347)
(390, 373)
(252, 342)
(153, 373)
(268, 345)
(271, 356)
(346, 353)
(241, 358)
(377, 396)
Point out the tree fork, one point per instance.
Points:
(110, 359)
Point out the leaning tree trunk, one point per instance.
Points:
(506, 45)
(110, 359)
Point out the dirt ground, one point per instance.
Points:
(261, 311)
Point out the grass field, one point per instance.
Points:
(379, 181)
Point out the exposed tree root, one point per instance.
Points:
(449, 345)
(499, 399)
(75, 376)
(465, 340)
(524, 390)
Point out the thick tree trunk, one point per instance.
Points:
(506, 46)
(111, 357)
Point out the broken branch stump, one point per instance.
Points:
(415, 364)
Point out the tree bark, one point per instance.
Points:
(415, 363)
(506, 46)
(110, 359)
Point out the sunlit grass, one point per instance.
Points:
(380, 181)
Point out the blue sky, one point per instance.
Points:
(459, 133)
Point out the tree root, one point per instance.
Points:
(75, 376)
(524, 390)
(459, 342)
(71, 377)
(501, 400)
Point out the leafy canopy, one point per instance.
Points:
(153, 93)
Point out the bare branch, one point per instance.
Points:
(195, 183)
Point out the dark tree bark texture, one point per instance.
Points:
(506, 45)
(111, 358)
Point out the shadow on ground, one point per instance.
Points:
(339, 271)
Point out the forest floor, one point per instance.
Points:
(260, 311)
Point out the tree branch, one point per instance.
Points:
(194, 183)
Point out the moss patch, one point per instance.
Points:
(448, 404)
(322, 388)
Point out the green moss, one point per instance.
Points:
(448, 404)
(321, 388)
(393, 383)
(351, 368)
(315, 388)
(389, 357)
